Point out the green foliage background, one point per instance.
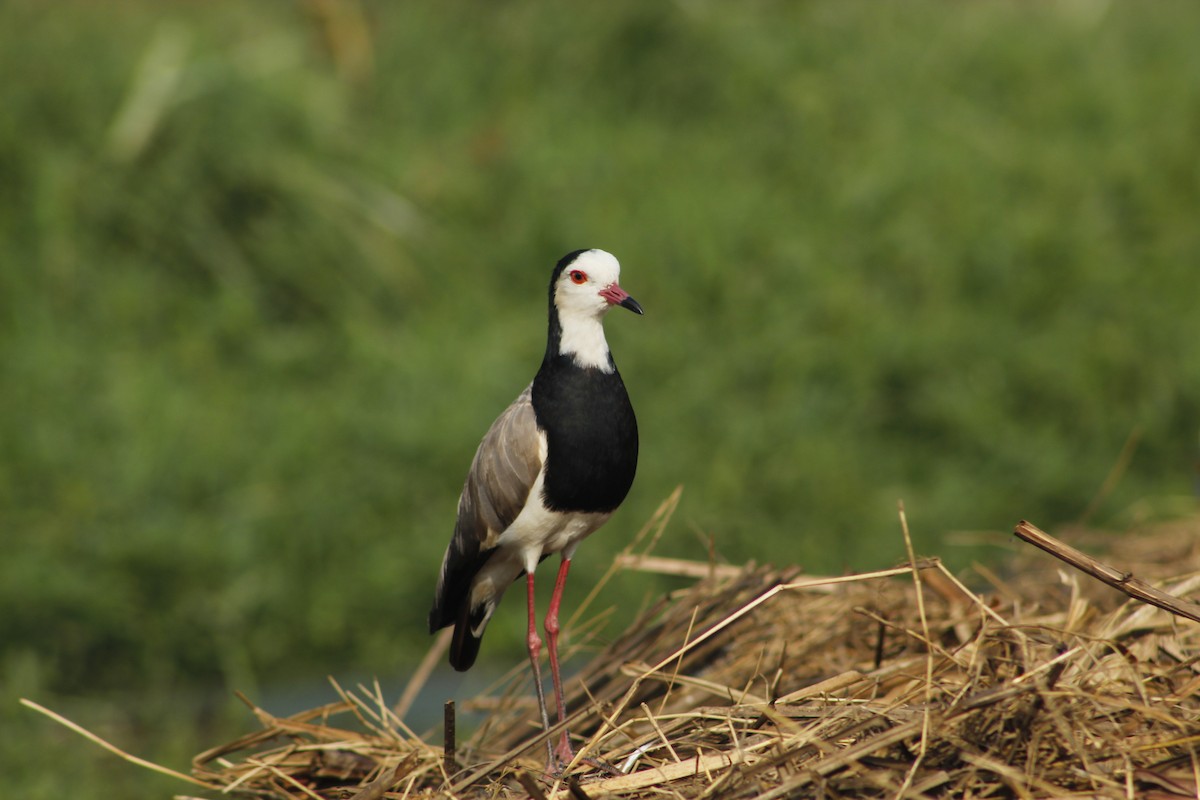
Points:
(259, 300)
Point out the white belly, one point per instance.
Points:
(538, 531)
(535, 533)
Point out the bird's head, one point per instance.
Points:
(586, 284)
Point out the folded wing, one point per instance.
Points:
(502, 473)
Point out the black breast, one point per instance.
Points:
(591, 436)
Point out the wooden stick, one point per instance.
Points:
(1121, 581)
(449, 745)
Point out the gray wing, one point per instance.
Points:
(503, 472)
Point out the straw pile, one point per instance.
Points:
(760, 682)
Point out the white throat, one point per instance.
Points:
(583, 340)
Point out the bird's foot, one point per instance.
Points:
(563, 754)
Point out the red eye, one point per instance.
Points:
(578, 276)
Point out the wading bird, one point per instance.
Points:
(551, 470)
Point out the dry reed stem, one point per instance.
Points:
(676, 566)
(419, 678)
(1121, 581)
(923, 742)
(112, 748)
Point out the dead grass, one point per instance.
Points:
(760, 682)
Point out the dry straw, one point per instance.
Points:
(758, 682)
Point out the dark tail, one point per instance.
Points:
(464, 647)
(465, 644)
(450, 606)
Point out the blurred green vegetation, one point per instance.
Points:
(264, 283)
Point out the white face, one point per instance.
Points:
(578, 289)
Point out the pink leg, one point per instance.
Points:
(534, 643)
(563, 751)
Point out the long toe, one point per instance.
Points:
(563, 753)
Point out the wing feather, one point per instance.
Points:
(504, 469)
